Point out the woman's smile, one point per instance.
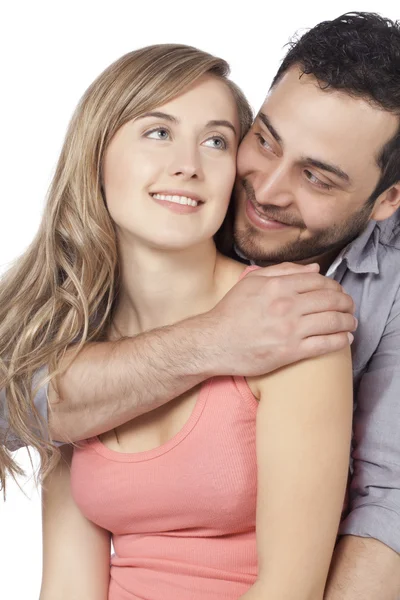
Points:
(178, 202)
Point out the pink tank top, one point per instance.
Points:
(182, 516)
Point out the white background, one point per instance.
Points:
(50, 53)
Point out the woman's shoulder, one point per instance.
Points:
(228, 272)
(234, 268)
(315, 371)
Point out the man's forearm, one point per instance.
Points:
(363, 569)
(110, 383)
(246, 333)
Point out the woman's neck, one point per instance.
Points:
(160, 287)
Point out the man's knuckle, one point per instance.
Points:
(281, 307)
(274, 286)
(332, 284)
(285, 329)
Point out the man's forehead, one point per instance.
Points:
(299, 98)
(331, 124)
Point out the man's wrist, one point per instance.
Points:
(201, 357)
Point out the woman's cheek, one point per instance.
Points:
(230, 179)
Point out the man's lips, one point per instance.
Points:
(261, 221)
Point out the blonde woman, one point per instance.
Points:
(218, 493)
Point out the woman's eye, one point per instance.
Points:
(158, 134)
(216, 142)
(315, 181)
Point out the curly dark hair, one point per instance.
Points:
(357, 53)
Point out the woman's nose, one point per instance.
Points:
(186, 164)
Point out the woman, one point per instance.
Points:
(147, 172)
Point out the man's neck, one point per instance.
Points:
(324, 260)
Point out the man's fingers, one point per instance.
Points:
(326, 323)
(301, 283)
(313, 281)
(325, 300)
(296, 282)
(284, 269)
(323, 344)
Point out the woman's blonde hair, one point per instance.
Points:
(61, 290)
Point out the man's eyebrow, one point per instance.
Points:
(159, 115)
(318, 164)
(265, 120)
(335, 170)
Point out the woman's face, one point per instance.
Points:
(168, 175)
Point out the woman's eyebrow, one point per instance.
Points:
(221, 123)
(159, 115)
(167, 117)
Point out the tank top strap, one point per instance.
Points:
(247, 270)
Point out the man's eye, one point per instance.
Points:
(315, 181)
(158, 134)
(263, 142)
(217, 142)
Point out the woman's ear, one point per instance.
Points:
(387, 203)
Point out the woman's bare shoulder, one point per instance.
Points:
(312, 369)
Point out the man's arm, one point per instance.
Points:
(110, 383)
(263, 323)
(363, 569)
(366, 563)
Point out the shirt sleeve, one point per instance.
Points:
(7, 437)
(375, 484)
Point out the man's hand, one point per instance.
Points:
(363, 569)
(271, 318)
(276, 316)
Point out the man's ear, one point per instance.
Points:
(387, 203)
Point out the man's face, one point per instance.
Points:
(305, 171)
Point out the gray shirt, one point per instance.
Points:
(369, 270)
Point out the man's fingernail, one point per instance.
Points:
(351, 338)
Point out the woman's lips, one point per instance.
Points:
(176, 207)
(262, 222)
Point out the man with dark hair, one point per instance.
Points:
(318, 181)
(355, 61)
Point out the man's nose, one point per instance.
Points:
(275, 187)
(185, 163)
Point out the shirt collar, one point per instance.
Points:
(361, 255)
(336, 263)
(242, 256)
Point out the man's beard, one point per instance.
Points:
(250, 240)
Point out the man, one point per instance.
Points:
(321, 162)
(318, 180)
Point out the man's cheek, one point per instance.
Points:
(245, 159)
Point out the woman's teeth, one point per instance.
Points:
(176, 199)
